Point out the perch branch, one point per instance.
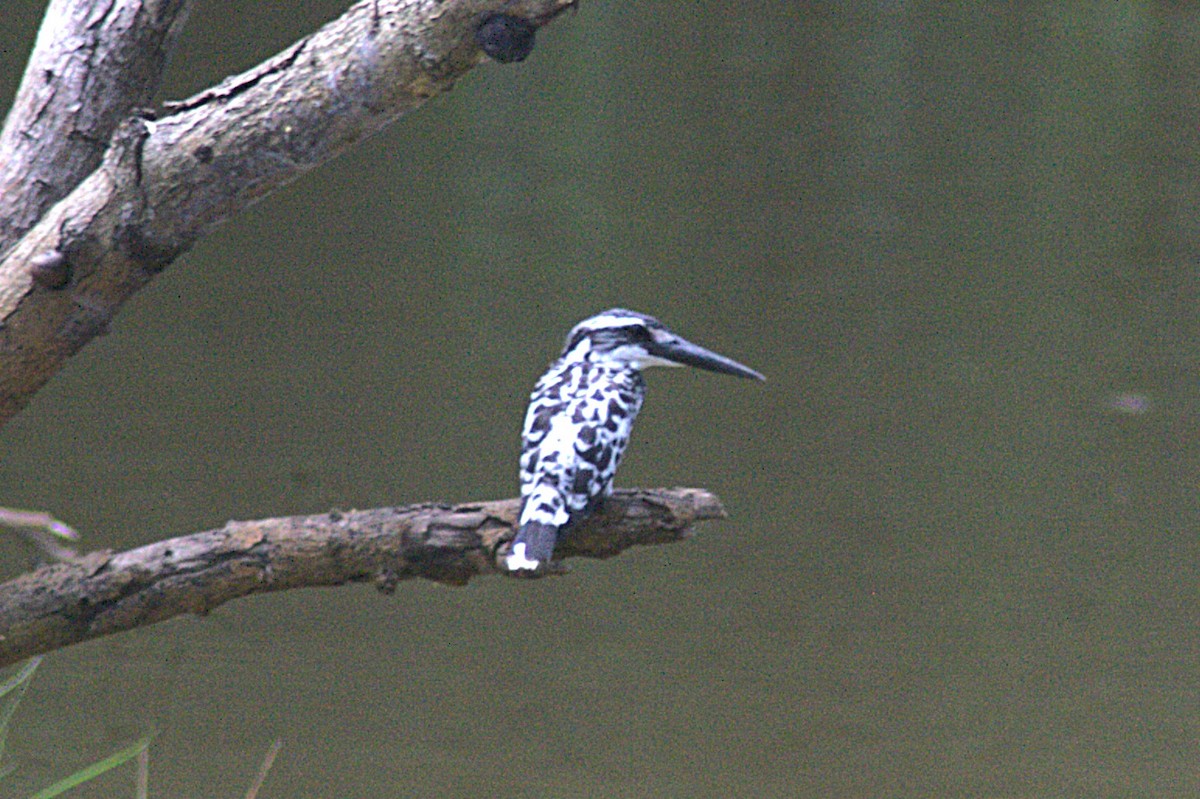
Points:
(163, 182)
(106, 592)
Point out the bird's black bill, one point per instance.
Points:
(686, 353)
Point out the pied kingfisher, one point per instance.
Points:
(579, 419)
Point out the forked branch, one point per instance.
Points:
(132, 190)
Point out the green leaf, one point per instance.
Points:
(11, 691)
(95, 770)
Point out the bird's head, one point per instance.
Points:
(631, 340)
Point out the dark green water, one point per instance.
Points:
(962, 243)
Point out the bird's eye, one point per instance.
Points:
(639, 333)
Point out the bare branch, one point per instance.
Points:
(106, 592)
(93, 64)
(42, 530)
(162, 183)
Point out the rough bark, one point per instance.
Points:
(92, 65)
(106, 592)
(161, 183)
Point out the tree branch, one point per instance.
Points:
(162, 183)
(93, 64)
(105, 592)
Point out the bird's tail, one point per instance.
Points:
(532, 548)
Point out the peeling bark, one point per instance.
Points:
(106, 592)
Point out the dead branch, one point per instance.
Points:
(92, 66)
(162, 182)
(106, 592)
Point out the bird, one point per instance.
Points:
(580, 415)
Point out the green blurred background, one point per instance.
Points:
(961, 240)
